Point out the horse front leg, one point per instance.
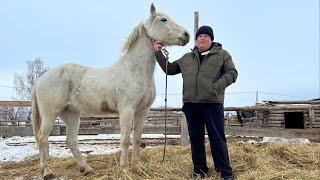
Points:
(126, 117)
(139, 119)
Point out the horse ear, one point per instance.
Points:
(153, 10)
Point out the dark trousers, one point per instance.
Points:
(211, 116)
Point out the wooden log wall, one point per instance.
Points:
(277, 119)
(315, 121)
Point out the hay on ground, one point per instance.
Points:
(249, 161)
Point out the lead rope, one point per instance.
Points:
(166, 53)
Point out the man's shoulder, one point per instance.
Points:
(187, 55)
(218, 48)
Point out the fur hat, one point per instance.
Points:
(205, 30)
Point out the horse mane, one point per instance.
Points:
(135, 34)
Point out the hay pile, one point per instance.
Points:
(259, 161)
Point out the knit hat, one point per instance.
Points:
(205, 30)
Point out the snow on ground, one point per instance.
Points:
(278, 140)
(19, 148)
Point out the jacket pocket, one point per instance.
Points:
(206, 90)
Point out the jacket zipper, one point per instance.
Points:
(196, 91)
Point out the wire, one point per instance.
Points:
(178, 94)
(276, 94)
(12, 87)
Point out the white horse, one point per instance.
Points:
(127, 88)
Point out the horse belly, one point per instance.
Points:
(97, 105)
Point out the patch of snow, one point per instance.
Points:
(252, 141)
(279, 140)
(16, 153)
(18, 148)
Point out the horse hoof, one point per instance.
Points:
(82, 169)
(88, 173)
(49, 177)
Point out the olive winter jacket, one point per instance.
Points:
(203, 82)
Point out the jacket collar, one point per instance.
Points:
(215, 47)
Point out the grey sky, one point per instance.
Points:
(274, 44)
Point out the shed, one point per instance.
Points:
(281, 114)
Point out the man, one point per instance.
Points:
(206, 71)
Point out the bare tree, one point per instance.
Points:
(23, 84)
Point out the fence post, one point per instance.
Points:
(311, 117)
(184, 138)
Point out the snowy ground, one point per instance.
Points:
(19, 148)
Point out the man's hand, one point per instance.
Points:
(157, 45)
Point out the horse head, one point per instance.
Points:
(160, 27)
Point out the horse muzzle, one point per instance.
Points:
(185, 38)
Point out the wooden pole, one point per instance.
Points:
(196, 24)
(257, 97)
(184, 137)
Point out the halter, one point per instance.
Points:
(146, 32)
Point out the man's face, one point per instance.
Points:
(203, 42)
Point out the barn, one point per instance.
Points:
(281, 114)
(289, 119)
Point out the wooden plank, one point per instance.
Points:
(276, 122)
(24, 131)
(16, 103)
(293, 102)
(116, 130)
(162, 109)
(317, 113)
(272, 115)
(273, 108)
(276, 119)
(276, 126)
(316, 119)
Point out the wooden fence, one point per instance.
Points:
(176, 124)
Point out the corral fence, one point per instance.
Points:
(155, 124)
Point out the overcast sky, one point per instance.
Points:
(274, 44)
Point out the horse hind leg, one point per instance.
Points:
(47, 123)
(72, 120)
(139, 119)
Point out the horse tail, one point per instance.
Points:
(36, 119)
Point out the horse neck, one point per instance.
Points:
(140, 59)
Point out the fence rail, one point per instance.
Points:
(177, 124)
(249, 108)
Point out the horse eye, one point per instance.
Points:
(163, 19)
